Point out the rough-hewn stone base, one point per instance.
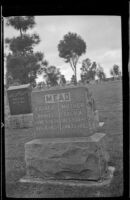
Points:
(82, 158)
(20, 121)
(78, 183)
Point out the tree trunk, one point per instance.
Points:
(75, 76)
(21, 33)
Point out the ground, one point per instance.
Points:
(108, 97)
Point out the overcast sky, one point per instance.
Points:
(102, 35)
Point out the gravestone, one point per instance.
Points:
(19, 98)
(66, 145)
(64, 112)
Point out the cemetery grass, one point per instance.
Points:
(108, 98)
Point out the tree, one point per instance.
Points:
(73, 80)
(100, 73)
(115, 71)
(21, 23)
(112, 73)
(88, 70)
(51, 75)
(92, 70)
(41, 85)
(83, 78)
(62, 80)
(22, 63)
(71, 48)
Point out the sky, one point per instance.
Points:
(102, 35)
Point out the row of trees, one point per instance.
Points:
(24, 65)
(53, 76)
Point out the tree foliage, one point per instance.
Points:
(22, 63)
(62, 80)
(112, 73)
(51, 75)
(24, 68)
(41, 85)
(21, 23)
(24, 44)
(88, 70)
(71, 48)
(100, 73)
(73, 80)
(115, 71)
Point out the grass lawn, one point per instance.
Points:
(108, 98)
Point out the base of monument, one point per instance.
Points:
(103, 182)
(74, 158)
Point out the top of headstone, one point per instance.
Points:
(61, 88)
(18, 87)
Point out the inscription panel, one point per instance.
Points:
(46, 117)
(73, 115)
(60, 112)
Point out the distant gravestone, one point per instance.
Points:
(63, 112)
(19, 98)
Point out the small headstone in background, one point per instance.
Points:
(19, 99)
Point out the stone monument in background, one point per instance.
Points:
(19, 100)
(66, 145)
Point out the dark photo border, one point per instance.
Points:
(37, 8)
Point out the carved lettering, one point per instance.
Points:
(61, 97)
(48, 98)
(67, 96)
(61, 110)
(53, 98)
